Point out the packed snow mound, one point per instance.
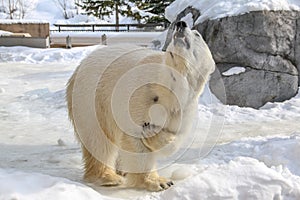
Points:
(42, 56)
(239, 170)
(214, 9)
(34, 186)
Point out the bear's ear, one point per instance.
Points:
(196, 33)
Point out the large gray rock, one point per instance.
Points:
(253, 88)
(297, 47)
(267, 44)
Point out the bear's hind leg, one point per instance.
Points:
(98, 173)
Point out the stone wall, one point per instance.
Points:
(35, 42)
(39, 30)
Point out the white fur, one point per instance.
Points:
(117, 89)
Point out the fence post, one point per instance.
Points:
(68, 42)
(103, 39)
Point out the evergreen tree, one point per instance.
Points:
(102, 8)
(156, 7)
(153, 11)
(97, 8)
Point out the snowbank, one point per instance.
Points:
(33, 186)
(239, 170)
(214, 9)
(35, 55)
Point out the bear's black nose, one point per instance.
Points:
(180, 26)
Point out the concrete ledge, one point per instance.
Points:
(35, 29)
(36, 42)
(60, 41)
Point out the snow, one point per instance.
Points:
(256, 155)
(232, 180)
(215, 9)
(234, 71)
(20, 21)
(34, 55)
(5, 33)
(33, 186)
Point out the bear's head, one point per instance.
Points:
(190, 55)
(185, 41)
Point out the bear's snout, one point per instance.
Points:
(180, 26)
(179, 36)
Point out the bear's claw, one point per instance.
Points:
(165, 186)
(170, 183)
(159, 185)
(150, 130)
(146, 125)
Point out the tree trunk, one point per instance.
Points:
(10, 8)
(117, 16)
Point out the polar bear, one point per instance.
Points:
(129, 105)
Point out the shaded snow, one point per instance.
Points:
(214, 9)
(234, 71)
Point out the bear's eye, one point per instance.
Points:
(197, 34)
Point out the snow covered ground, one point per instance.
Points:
(256, 155)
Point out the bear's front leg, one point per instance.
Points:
(140, 169)
(155, 137)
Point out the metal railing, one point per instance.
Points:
(110, 27)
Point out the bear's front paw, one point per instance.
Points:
(150, 130)
(158, 184)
